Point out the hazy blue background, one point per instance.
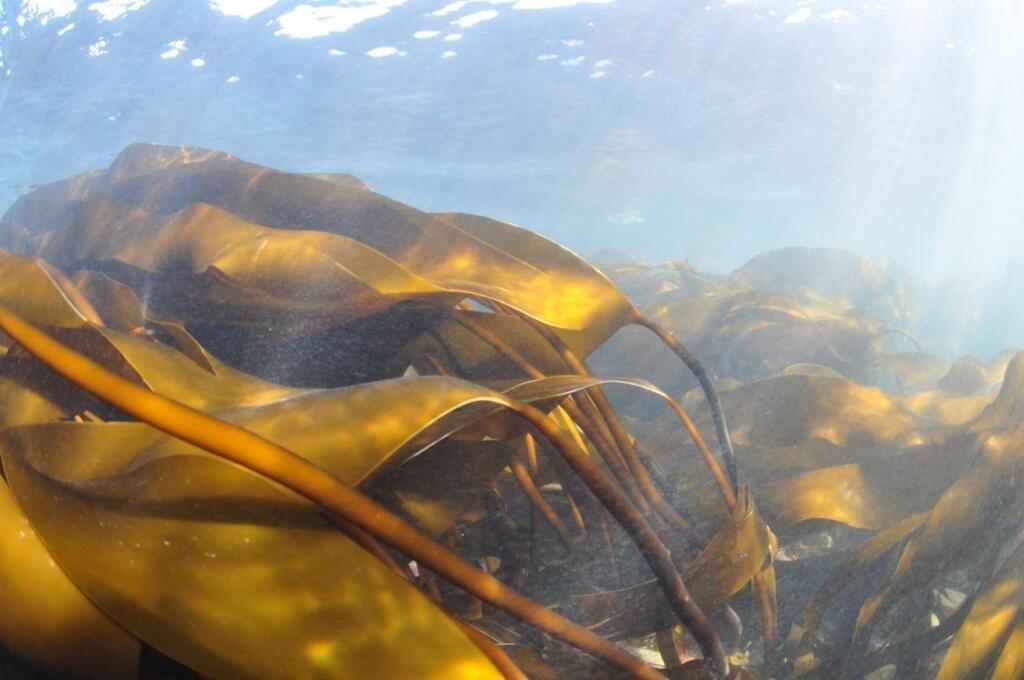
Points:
(673, 129)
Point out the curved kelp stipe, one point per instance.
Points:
(548, 387)
(285, 468)
(707, 385)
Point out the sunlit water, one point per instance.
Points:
(636, 132)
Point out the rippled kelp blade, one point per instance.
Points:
(223, 571)
(28, 289)
(343, 237)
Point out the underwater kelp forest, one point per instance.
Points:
(548, 339)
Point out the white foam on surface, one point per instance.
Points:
(458, 5)
(383, 51)
(546, 57)
(839, 16)
(115, 9)
(452, 37)
(48, 9)
(449, 8)
(174, 48)
(475, 18)
(307, 21)
(799, 16)
(573, 62)
(198, 62)
(243, 9)
(63, 31)
(232, 79)
(554, 4)
(448, 54)
(572, 42)
(98, 48)
(334, 52)
(424, 35)
(602, 63)
(598, 74)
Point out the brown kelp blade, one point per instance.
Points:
(223, 571)
(165, 195)
(44, 611)
(965, 525)
(272, 462)
(736, 553)
(983, 638)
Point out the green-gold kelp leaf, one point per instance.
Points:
(966, 523)
(203, 260)
(859, 559)
(359, 431)
(436, 487)
(46, 618)
(736, 553)
(127, 489)
(183, 370)
(223, 571)
(32, 393)
(31, 291)
(480, 257)
(985, 633)
(1010, 664)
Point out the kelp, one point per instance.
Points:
(267, 424)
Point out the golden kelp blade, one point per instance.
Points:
(860, 558)
(736, 553)
(203, 263)
(31, 393)
(479, 257)
(574, 298)
(272, 462)
(1007, 411)
(46, 618)
(222, 571)
(28, 289)
(1010, 665)
(965, 522)
(751, 335)
(989, 624)
(355, 432)
(439, 485)
(141, 360)
(473, 358)
(840, 494)
(789, 409)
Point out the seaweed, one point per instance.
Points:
(264, 424)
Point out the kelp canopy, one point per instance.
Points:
(260, 424)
